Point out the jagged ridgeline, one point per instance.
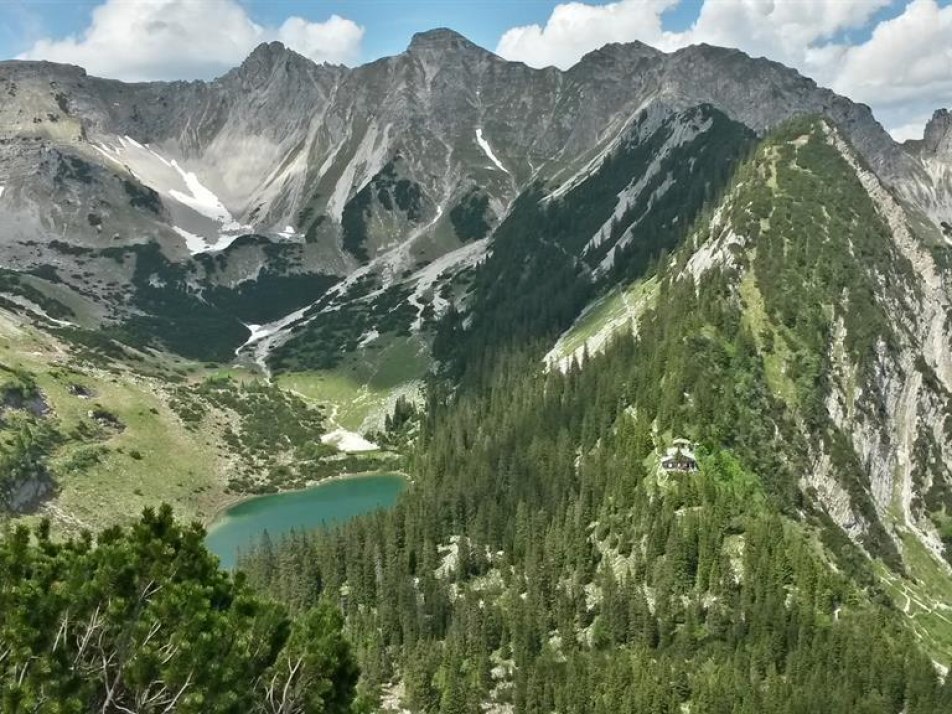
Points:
(319, 211)
(643, 251)
(544, 561)
(551, 253)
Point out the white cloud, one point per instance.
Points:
(183, 39)
(906, 58)
(785, 30)
(912, 130)
(576, 28)
(902, 70)
(337, 40)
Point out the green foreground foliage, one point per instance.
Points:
(142, 620)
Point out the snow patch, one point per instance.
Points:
(200, 199)
(258, 333)
(261, 337)
(174, 182)
(488, 150)
(348, 441)
(368, 337)
(1, 191)
(197, 244)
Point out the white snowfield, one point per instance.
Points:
(488, 150)
(348, 441)
(1, 191)
(258, 333)
(200, 199)
(196, 244)
(200, 216)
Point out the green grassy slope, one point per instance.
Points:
(122, 430)
(614, 312)
(363, 388)
(106, 472)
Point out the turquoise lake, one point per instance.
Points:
(321, 506)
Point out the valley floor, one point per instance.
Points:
(150, 429)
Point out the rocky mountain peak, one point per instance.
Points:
(937, 140)
(628, 52)
(281, 141)
(263, 60)
(441, 40)
(266, 53)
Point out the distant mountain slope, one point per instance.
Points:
(92, 432)
(580, 268)
(373, 171)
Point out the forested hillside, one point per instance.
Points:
(656, 351)
(543, 561)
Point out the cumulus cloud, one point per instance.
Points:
(785, 30)
(182, 39)
(902, 69)
(906, 57)
(576, 28)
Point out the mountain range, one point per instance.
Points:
(529, 283)
(394, 170)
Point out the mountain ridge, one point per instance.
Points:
(549, 278)
(345, 171)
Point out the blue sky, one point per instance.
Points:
(389, 24)
(895, 55)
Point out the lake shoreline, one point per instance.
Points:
(222, 510)
(326, 504)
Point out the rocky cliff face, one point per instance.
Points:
(856, 347)
(379, 169)
(937, 139)
(928, 184)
